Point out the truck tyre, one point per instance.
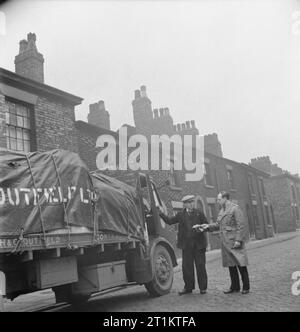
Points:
(163, 272)
(64, 294)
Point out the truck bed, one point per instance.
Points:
(62, 239)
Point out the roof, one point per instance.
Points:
(93, 130)
(286, 175)
(256, 170)
(250, 168)
(29, 85)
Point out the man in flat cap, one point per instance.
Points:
(192, 240)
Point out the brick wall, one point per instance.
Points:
(280, 194)
(55, 125)
(52, 125)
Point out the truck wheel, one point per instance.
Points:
(163, 273)
(64, 294)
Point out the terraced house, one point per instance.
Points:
(37, 117)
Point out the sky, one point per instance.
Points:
(232, 66)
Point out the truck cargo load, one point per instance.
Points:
(117, 206)
(77, 232)
(43, 193)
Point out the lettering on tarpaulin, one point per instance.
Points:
(27, 196)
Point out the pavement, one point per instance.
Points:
(272, 262)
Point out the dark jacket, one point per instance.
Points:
(196, 217)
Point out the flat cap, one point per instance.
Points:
(188, 198)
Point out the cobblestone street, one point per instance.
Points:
(270, 273)
(272, 263)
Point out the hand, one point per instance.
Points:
(159, 209)
(237, 244)
(204, 226)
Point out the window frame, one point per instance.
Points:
(19, 134)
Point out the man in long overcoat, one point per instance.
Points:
(233, 235)
(193, 244)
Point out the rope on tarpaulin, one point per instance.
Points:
(64, 207)
(95, 196)
(21, 236)
(19, 241)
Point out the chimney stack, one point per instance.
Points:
(99, 116)
(29, 62)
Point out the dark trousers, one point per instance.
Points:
(192, 255)
(235, 280)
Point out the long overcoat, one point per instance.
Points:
(232, 227)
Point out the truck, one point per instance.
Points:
(78, 232)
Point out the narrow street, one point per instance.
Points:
(272, 263)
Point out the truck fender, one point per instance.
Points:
(163, 242)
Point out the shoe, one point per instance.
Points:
(245, 291)
(185, 291)
(202, 291)
(230, 291)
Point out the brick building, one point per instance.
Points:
(245, 183)
(33, 115)
(283, 188)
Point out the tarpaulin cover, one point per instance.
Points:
(35, 188)
(47, 191)
(117, 207)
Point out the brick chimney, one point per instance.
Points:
(142, 111)
(212, 144)
(99, 116)
(29, 62)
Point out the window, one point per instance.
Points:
(156, 196)
(208, 175)
(296, 213)
(255, 215)
(250, 183)
(298, 192)
(267, 215)
(273, 218)
(212, 212)
(262, 186)
(230, 178)
(18, 126)
(174, 176)
(293, 193)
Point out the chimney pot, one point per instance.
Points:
(155, 111)
(161, 112)
(23, 46)
(178, 127)
(183, 126)
(31, 36)
(137, 94)
(188, 124)
(193, 123)
(101, 105)
(143, 91)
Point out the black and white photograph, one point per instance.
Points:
(149, 159)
